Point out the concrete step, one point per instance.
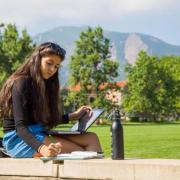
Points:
(28, 167)
(129, 169)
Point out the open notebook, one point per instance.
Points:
(81, 125)
(75, 155)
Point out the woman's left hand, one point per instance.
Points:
(83, 110)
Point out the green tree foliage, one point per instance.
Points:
(170, 86)
(13, 49)
(142, 82)
(91, 67)
(153, 86)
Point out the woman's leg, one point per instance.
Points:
(89, 141)
(78, 142)
(67, 146)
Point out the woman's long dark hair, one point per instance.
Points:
(45, 93)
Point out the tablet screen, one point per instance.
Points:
(85, 122)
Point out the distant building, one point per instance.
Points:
(113, 95)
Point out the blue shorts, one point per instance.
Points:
(17, 148)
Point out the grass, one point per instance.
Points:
(144, 140)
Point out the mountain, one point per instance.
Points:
(124, 46)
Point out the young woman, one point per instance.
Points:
(29, 105)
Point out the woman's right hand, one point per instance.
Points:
(83, 110)
(51, 150)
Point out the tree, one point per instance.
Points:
(91, 67)
(153, 87)
(170, 86)
(143, 81)
(13, 49)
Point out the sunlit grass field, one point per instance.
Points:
(143, 140)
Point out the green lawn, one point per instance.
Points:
(144, 140)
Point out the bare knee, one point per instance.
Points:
(93, 142)
(92, 136)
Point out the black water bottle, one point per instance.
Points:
(117, 136)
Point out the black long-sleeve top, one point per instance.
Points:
(22, 112)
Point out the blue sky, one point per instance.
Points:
(159, 18)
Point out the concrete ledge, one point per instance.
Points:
(27, 178)
(135, 169)
(129, 169)
(27, 167)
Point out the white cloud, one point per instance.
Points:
(32, 13)
(141, 5)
